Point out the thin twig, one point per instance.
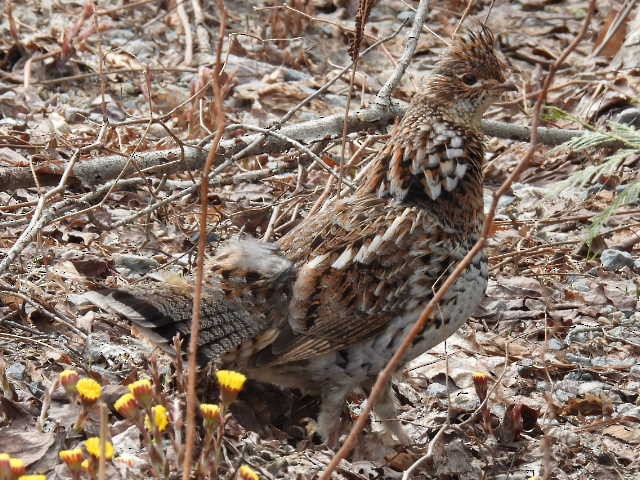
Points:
(188, 38)
(36, 224)
(338, 76)
(46, 403)
(104, 423)
(427, 456)
(202, 34)
(432, 444)
(95, 171)
(218, 114)
(383, 99)
(315, 158)
(462, 18)
(385, 375)
(127, 6)
(275, 213)
(46, 311)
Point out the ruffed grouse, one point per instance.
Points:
(324, 309)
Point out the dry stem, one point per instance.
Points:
(218, 118)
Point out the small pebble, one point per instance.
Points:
(578, 359)
(630, 116)
(612, 259)
(555, 344)
(406, 15)
(437, 390)
(37, 389)
(17, 371)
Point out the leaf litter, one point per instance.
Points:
(558, 333)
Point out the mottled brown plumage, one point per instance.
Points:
(325, 308)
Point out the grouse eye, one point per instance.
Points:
(469, 78)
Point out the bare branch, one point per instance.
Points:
(97, 171)
(383, 99)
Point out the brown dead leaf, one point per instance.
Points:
(595, 296)
(573, 295)
(629, 434)
(622, 295)
(516, 286)
(28, 446)
(12, 158)
(5, 385)
(64, 414)
(400, 461)
(614, 43)
(588, 405)
(122, 59)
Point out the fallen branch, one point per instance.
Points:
(96, 171)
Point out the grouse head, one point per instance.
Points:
(470, 75)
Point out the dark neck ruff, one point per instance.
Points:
(462, 207)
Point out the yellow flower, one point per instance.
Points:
(5, 466)
(210, 411)
(73, 458)
(480, 383)
(142, 390)
(160, 418)
(89, 390)
(68, 379)
(230, 385)
(211, 414)
(85, 464)
(127, 406)
(33, 477)
(17, 467)
(93, 445)
(246, 473)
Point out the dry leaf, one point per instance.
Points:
(28, 446)
(624, 433)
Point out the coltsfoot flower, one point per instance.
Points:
(5, 466)
(481, 384)
(32, 477)
(89, 390)
(68, 379)
(73, 458)
(127, 406)
(211, 415)
(142, 390)
(160, 418)
(93, 445)
(18, 467)
(246, 473)
(231, 383)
